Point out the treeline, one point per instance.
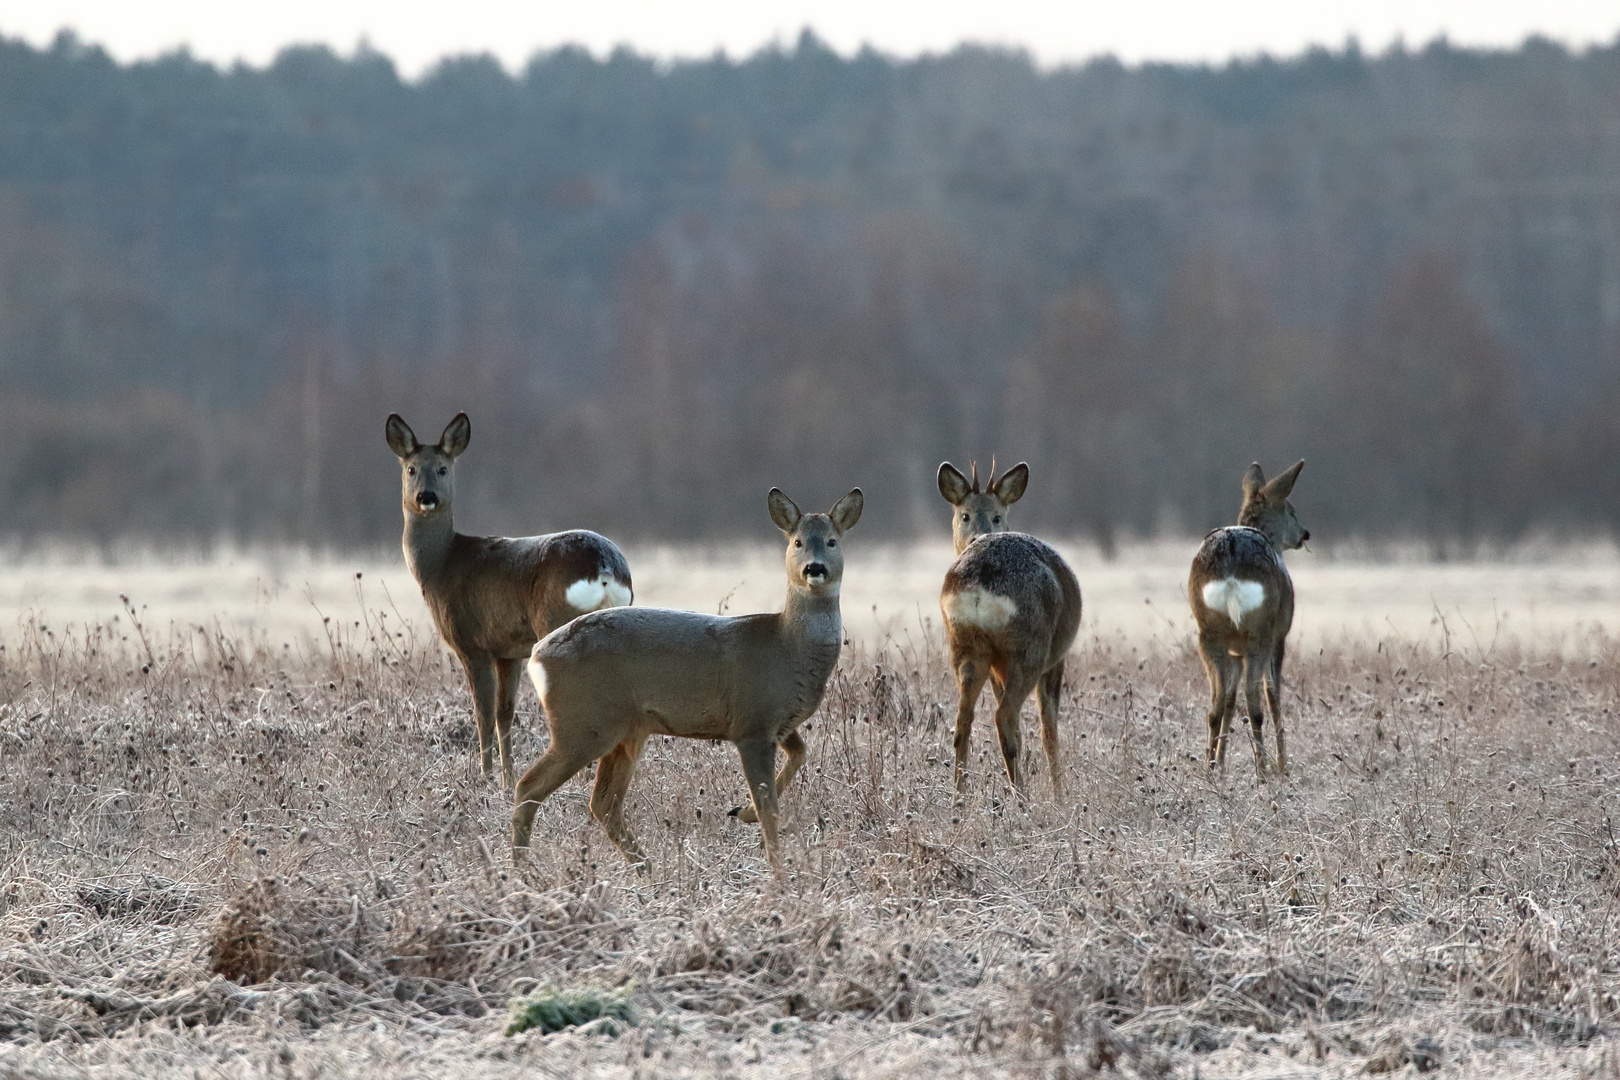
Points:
(660, 289)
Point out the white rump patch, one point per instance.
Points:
(537, 675)
(977, 607)
(592, 594)
(1234, 597)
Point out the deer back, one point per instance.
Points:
(1016, 590)
(1240, 586)
(498, 594)
(653, 670)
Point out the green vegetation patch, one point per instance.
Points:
(549, 1009)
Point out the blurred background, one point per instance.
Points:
(663, 275)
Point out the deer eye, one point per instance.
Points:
(798, 543)
(996, 520)
(411, 471)
(964, 517)
(832, 543)
(445, 469)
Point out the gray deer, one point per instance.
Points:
(610, 679)
(1012, 610)
(492, 596)
(1243, 601)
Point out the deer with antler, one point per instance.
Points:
(1012, 610)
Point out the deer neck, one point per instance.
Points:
(814, 629)
(427, 544)
(815, 619)
(1258, 523)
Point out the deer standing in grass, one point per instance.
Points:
(492, 596)
(1243, 600)
(1012, 609)
(610, 679)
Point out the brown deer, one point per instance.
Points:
(1243, 600)
(493, 596)
(610, 679)
(1012, 609)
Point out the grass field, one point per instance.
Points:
(224, 857)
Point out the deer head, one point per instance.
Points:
(975, 512)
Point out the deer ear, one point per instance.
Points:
(457, 434)
(784, 511)
(1010, 488)
(401, 439)
(952, 484)
(1253, 480)
(1282, 485)
(847, 511)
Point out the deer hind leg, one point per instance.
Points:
(607, 799)
(793, 746)
(1019, 683)
(481, 676)
(1254, 674)
(560, 762)
(1274, 702)
(758, 756)
(971, 673)
(508, 677)
(1051, 692)
(1223, 680)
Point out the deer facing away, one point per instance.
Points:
(610, 679)
(1012, 610)
(492, 597)
(1243, 601)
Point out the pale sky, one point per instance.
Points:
(417, 34)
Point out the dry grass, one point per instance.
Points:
(220, 858)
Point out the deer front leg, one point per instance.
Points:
(793, 746)
(970, 676)
(481, 678)
(758, 756)
(508, 677)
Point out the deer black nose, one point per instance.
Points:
(427, 500)
(815, 569)
(1304, 538)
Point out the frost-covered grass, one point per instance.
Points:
(242, 860)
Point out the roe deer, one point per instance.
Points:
(1012, 609)
(610, 679)
(492, 596)
(1243, 600)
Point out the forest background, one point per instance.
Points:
(660, 288)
